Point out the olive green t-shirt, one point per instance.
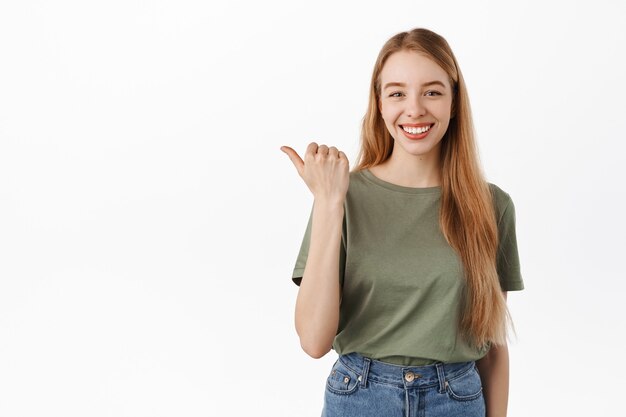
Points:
(401, 281)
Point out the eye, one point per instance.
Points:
(394, 94)
(433, 92)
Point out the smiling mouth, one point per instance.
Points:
(417, 130)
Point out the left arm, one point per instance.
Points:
(494, 374)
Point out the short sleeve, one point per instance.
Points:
(508, 265)
(298, 270)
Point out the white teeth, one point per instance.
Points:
(415, 130)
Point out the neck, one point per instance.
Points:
(415, 171)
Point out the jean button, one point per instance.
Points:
(409, 376)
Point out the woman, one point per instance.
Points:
(407, 259)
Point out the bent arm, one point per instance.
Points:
(319, 295)
(494, 374)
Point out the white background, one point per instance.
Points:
(149, 223)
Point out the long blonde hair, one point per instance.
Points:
(467, 215)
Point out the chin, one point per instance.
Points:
(419, 150)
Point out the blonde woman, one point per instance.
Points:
(407, 259)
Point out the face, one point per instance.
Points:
(416, 96)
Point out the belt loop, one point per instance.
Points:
(366, 370)
(442, 377)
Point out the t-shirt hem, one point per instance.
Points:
(513, 286)
(296, 277)
(410, 360)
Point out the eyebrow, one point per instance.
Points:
(396, 84)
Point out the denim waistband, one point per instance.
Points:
(404, 376)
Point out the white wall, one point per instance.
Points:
(149, 222)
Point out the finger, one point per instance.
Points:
(334, 152)
(323, 150)
(311, 150)
(295, 158)
(343, 156)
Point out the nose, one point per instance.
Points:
(415, 107)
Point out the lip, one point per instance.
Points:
(416, 124)
(417, 136)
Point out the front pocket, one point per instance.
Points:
(465, 387)
(342, 380)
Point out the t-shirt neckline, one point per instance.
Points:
(395, 187)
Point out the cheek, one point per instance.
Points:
(389, 113)
(384, 113)
(442, 109)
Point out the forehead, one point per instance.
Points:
(411, 67)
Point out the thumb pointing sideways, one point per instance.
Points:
(295, 158)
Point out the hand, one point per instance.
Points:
(324, 170)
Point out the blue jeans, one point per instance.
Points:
(364, 387)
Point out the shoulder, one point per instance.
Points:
(356, 175)
(358, 181)
(498, 193)
(501, 199)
